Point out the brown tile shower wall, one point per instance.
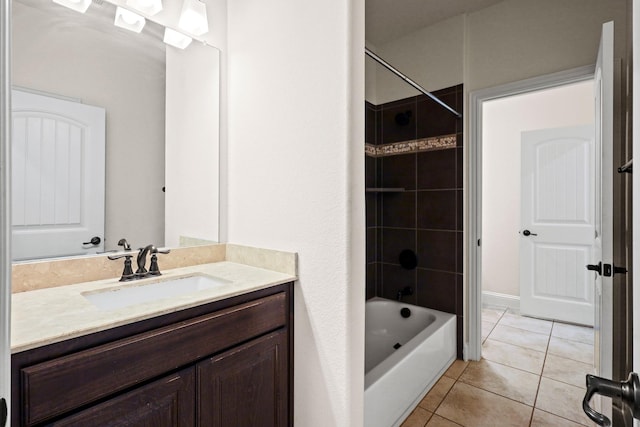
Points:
(427, 216)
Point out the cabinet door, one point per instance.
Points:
(168, 402)
(246, 386)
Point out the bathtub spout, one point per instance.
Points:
(407, 290)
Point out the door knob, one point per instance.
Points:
(95, 241)
(595, 267)
(528, 233)
(628, 391)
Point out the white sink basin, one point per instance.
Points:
(138, 293)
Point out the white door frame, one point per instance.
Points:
(476, 99)
(5, 198)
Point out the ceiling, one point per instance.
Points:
(388, 20)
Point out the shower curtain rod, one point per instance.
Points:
(408, 80)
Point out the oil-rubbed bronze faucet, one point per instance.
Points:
(128, 274)
(142, 260)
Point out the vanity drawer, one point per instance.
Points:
(98, 372)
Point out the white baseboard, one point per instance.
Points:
(500, 300)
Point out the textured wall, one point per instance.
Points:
(296, 181)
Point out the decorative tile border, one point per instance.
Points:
(416, 145)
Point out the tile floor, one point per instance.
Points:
(532, 374)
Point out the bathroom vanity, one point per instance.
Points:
(219, 357)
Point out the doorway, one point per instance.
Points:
(538, 202)
(498, 116)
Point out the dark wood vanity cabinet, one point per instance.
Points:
(166, 402)
(254, 373)
(227, 363)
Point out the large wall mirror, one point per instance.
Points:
(77, 78)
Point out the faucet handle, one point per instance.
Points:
(158, 251)
(115, 257)
(127, 273)
(154, 270)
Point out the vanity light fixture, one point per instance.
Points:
(77, 5)
(129, 20)
(176, 39)
(193, 17)
(150, 7)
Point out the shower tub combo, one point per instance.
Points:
(407, 348)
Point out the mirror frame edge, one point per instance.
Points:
(5, 195)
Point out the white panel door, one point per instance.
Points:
(558, 224)
(58, 175)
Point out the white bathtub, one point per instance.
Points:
(397, 379)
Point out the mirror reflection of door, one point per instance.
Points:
(58, 173)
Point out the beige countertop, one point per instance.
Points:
(46, 316)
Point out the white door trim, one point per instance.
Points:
(5, 199)
(476, 99)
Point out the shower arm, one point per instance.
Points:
(408, 80)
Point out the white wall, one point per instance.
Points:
(509, 41)
(503, 121)
(517, 39)
(432, 57)
(296, 181)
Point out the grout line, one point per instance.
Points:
(540, 375)
(560, 416)
(569, 339)
(518, 345)
(525, 330)
(517, 369)
(497, 394)
(544, 362)
(574, 360)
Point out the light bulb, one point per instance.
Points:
(150, 7)
(193, 17)
(77, 5)
(176, 39)
(129, 20)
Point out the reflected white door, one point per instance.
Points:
(58, 177)
(558, 224)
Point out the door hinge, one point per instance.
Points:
(478, 242)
